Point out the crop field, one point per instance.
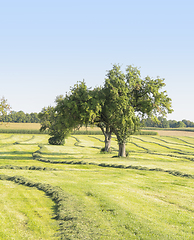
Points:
(76, 192)
(35, 126)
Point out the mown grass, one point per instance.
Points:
(26, 213)
(76, 192)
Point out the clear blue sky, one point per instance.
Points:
(47, 46)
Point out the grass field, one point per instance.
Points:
(76, 192)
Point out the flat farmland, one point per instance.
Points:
(31, 126)
(174, 132)
(76, 192)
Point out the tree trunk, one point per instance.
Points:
(108, 135)
(122, 152)
(107, 142)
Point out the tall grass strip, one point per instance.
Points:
(28, 168)
(174, 149)
(172, 172)
(69, 214)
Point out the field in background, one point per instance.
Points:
(76, 192)
(33, 128)
(28, 126)
(176, 132)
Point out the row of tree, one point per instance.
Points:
(164, 123)
(20, 117)
(116, 107)
(6, 115)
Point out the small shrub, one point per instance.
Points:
(56, 141)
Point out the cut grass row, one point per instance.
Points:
(142, 207)
(25, 213)
(101, 201)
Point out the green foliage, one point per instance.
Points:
(20, 117)
(128, 97)
(114, 108)
(50, 122)
(175, 124)
(56, 140)
(188, 123)
(77, 108)
(4, 107)
(164, 123)
(71, 112)
(117, 109)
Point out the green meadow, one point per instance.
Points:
(76, 192)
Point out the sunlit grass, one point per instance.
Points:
(25, 213)
(102, 202)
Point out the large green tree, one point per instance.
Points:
(116, 107)
(117, 110)
(129, 98)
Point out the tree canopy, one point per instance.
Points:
(164, 123)
(116, 107)
(4, 106)
(20, 117)
(129, 98)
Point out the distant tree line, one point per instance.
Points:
(20, 117)
(164, 123)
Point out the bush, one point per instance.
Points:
(56, 141)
